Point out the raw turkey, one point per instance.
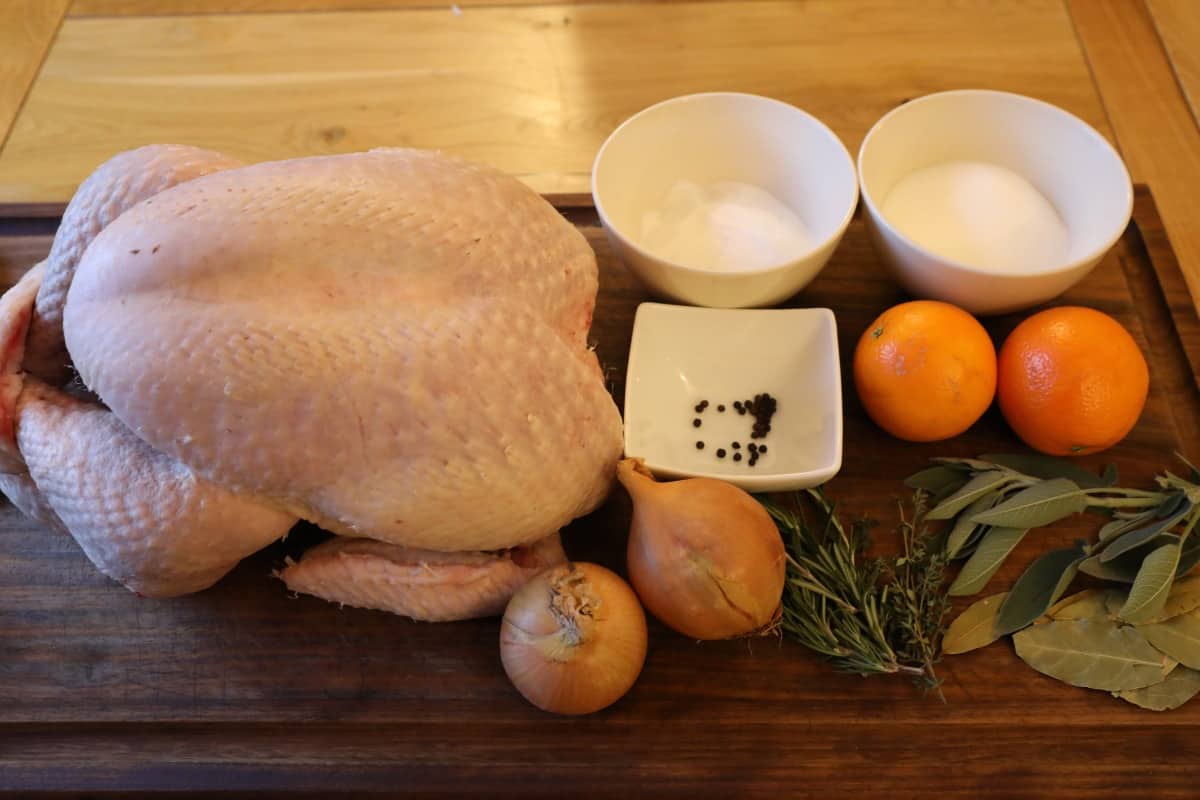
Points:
(392, 345)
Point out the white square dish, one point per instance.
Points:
(681, 356)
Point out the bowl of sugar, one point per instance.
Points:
(989, 200)
(724, 199)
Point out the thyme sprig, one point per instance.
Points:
(867, 616)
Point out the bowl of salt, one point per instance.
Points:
(992, 201)
(724, 199)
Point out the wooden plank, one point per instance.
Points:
(1178, 25)
(242, 687)
(108, 8)
(26, 29)
(532, 90)
(1154, 127)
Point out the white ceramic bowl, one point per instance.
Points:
(682, 355)
(724, 136)
(1071, 164)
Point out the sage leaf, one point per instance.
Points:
(1113, 528)
(1174, 502)
(1148, 594)
(1190, 556)
(1179, 638)
(1136, 538)
(1038, 587)
(1183, 597)
(1109, 476)
(975, 627)
(936, 479)
(1088, 604)
(1113, 600)
(1040, 504)
(979, 486)
(1047, 467)
(1094, 654)
(964, 529)
(993, 548)
(966, 464)
(1177, 688)
(1120, 570)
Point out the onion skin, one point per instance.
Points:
(573, 639)
(704, 556)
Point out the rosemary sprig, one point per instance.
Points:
(868, 616)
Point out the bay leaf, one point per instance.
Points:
(1040, 504)
(1088, 604)
(936, 479)
(964, 529)
(1094, 654)
(1150, 588)
(1177, 688)
(989, 555)
(982, 484)
(1047, 467)
(1183, 597)
(1039, 586)
(1179, 638)
(1122, 544)
(974, 627)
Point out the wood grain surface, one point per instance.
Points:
(1155, 128)
(27, 28)
(1178, 25)
(244, 687)
(531, 90)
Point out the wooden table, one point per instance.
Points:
(534, 89)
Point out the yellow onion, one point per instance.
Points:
(573, 639)
(704, 556)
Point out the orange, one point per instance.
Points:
(1072, 381)
(925, 370)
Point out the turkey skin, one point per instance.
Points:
(392, 345)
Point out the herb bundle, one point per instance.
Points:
(1140, 640)
(868, 616)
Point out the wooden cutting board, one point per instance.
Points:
(245, 687)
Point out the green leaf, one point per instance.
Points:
(1171, 506)
(1040, 504)
(993, 548)
(1121, 570)
(1094, 654)
(1038, 587)
(979, 486)
(1177, 688)
(1113, 528)
(1183, 597)
(1148, 594)
(1190, 556)
(1179, 638)
(964, 530)
(1046, 468)
(966, 464)
(936, 479)
(975, 627)
(1136, 538)
(1110, 475)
